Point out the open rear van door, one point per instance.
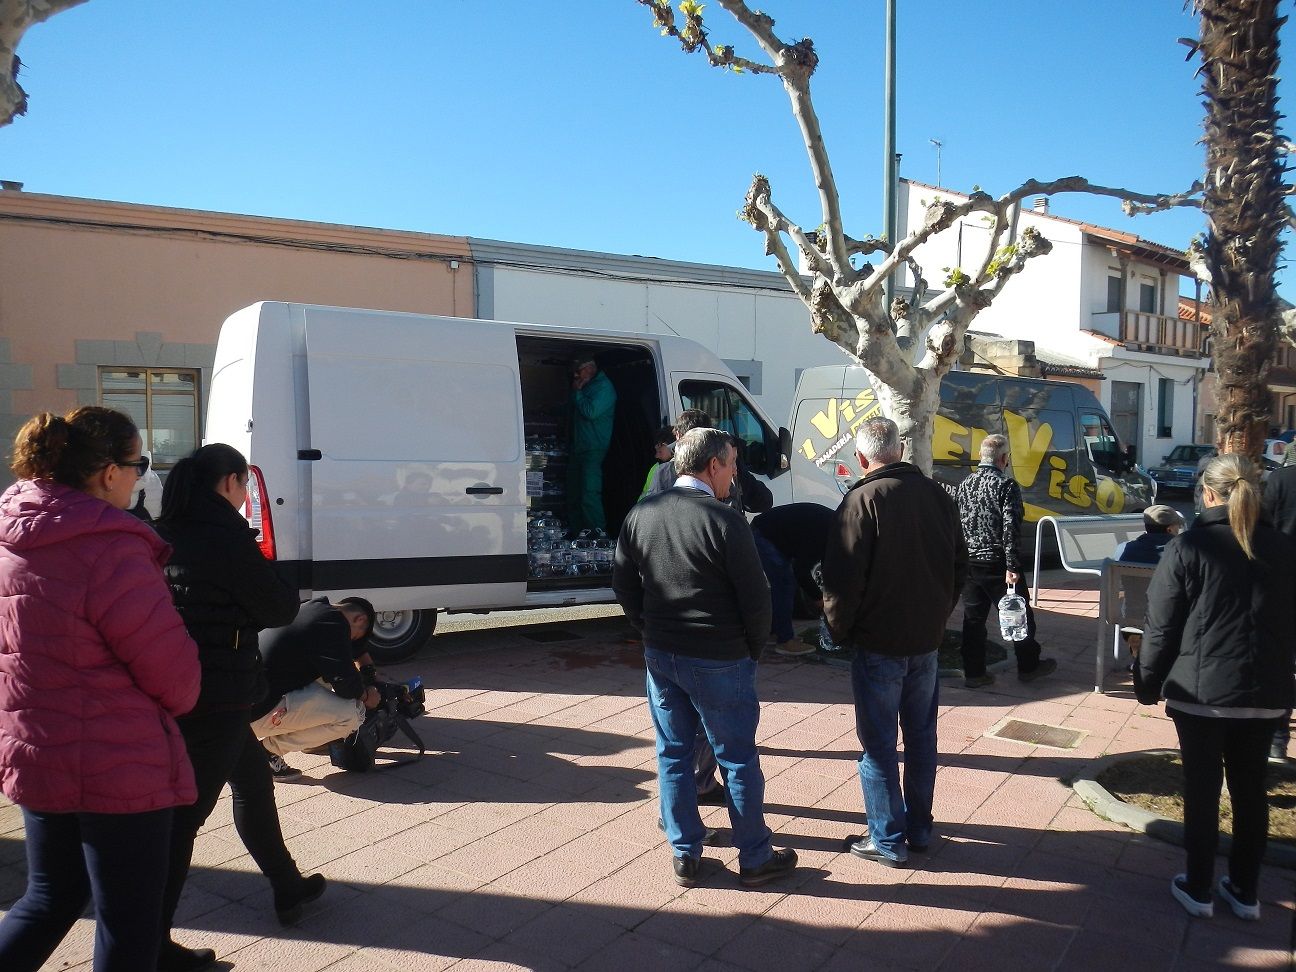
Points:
(415, 446)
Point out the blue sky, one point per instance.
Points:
(577, 125)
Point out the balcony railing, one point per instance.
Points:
(1154, 331)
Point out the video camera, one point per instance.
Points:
(399, 702)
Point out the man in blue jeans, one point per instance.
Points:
(688, 578)
(892, 574)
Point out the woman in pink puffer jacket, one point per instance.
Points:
(95, 665)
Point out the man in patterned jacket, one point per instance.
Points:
(990, 507)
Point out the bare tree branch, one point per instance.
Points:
(15, 17)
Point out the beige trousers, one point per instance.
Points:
(308, 717)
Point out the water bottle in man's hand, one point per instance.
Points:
(1012, 617)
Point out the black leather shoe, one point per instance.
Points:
(686, 871)
(781, 864)
(714, 797)
(288, 904)
(173, 957)
(862, 846)
(918, 848)
(711, 837)
(1047, 666)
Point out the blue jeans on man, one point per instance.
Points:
(892, 690)
(721, 695)
(782, 582)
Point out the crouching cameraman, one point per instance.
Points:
(321, 679)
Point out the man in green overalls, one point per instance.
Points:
(593, 401)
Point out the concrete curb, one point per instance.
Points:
(1101, 802)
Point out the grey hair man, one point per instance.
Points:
(892, 573)
(690, 581)
(991, 509)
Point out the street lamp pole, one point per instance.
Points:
(890, 169)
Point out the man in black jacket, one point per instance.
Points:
(317, 691)
(689, 580)
(991, 511)
(891, 575)
(747, 494)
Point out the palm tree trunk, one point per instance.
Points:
(1244, 205)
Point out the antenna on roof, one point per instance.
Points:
(939, 144)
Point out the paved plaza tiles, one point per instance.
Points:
(527, 838)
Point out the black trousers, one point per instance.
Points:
(1236, 750)
(119, 859)
(984, 586)
(223, 750)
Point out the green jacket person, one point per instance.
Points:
(593, 401)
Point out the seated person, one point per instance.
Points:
(321, 679)
(1160, 523)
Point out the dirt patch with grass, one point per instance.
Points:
(1155, 783)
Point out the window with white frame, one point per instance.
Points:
(164, 404)
(1165, 408)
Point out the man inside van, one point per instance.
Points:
(990, 506)
(321, 679)
(592, 404)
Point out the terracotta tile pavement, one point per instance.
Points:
(527, 838)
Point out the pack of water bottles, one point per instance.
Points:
(1012, 617)
(555, 552)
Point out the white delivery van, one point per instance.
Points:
(393, 454)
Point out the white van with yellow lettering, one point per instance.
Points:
(1065, 455)
(399, 457)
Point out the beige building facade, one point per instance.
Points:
(120, 304)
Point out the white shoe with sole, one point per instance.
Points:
(1198, 909)
(1247, 912)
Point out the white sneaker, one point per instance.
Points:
(1198, 909)
(793, 648)
(1247, 912)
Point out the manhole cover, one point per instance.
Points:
(1038, 734)
(549, 634)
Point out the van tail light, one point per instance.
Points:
(843, 471)
(257, 511)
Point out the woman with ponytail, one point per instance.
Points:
(95, 665)
(226, 592)
(1218, 648)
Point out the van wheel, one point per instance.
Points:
(397, 635)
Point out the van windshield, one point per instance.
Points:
(729, 411)
(1104, 448)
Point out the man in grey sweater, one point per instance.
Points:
(689, 579)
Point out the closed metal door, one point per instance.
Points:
(1127, 411)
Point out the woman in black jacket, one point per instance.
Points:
(1219, 648)
(226, 592)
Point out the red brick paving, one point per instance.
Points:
(527, 839)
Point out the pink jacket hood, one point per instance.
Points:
(95, 662)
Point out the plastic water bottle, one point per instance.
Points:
(1012, 617)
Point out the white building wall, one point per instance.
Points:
(769, 328)
(1145, 370)
(1044, 303)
